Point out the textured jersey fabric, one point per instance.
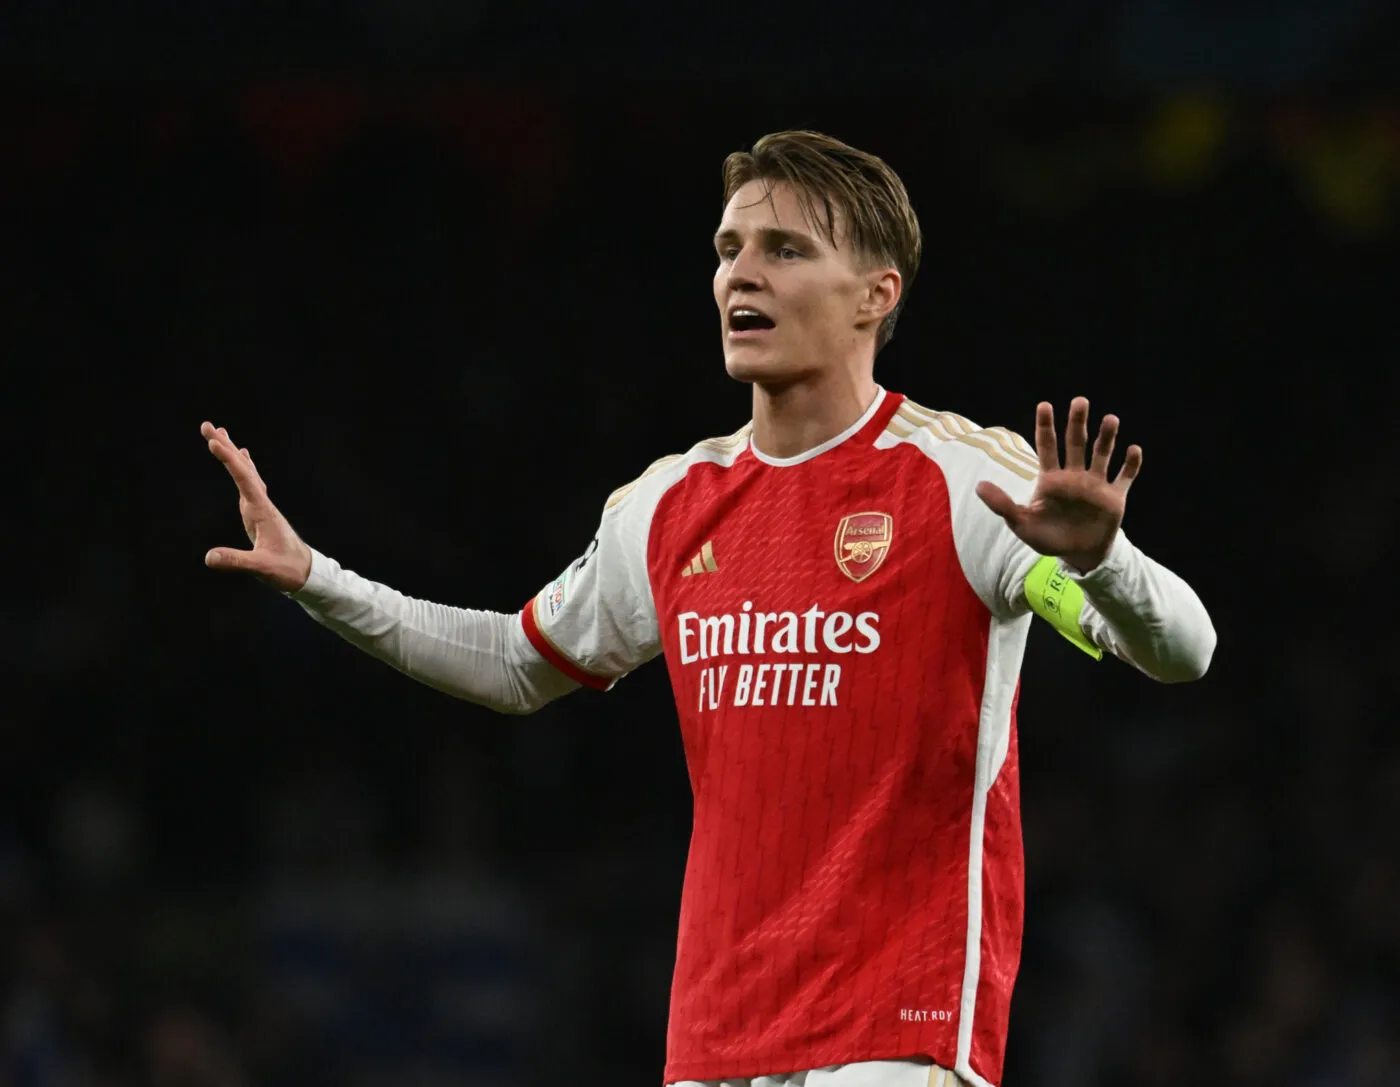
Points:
(844, 632)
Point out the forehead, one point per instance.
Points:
(765, 205)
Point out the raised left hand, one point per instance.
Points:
(1075, 511)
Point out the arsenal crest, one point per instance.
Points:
(862, 542)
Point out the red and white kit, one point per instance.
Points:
(844, 632)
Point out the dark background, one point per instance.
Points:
(444, 269)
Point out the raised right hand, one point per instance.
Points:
(279, 556)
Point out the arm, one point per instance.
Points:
(1095, 587)
(480, 656)
(1129, 605)
(484, 657)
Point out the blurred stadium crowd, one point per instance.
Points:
(448, 321)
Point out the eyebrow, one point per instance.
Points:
(772, 235)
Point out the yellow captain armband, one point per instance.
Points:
(1059, 600)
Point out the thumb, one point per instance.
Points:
(228, 558)
(998, 501)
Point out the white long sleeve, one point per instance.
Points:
(480, 656)
(1134, 607)
(1144, 614)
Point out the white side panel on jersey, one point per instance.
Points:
(1006, 644)
(1144, 614)
(995, 563)
(599, 614)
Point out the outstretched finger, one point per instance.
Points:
(1103, 446)
(256, 474)
(209, 431)
(999, 502)
(250, 486)
(1076, 434)
(230, 558)
(1132, 465)
(1047, 445)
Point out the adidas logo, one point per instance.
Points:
(703, 562)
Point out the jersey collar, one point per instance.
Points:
(831, 443)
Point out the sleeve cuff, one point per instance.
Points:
(320, 582)
(1106, 572)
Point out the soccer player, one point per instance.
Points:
(842, 590)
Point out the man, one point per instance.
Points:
(842, 590)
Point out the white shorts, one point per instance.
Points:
(864, 1074)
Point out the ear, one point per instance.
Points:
(883, 287)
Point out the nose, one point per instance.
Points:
(745, 270)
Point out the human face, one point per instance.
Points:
(818, 307)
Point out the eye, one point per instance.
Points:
(787, 252)
(728, 252)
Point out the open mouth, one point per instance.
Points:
(744, 320)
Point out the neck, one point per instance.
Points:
(790, 419)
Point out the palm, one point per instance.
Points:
(1070, 512)
(1075, 510)
(262, 522)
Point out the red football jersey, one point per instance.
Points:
(844, 632)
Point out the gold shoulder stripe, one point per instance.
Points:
(1007, 440)
(932, 424)
(959, 427)
(956, 425)
(725, 444)
(626, 489)
(947, 423)
(1024, 446)
(993, 451)
(952, 419)
(942, 427)
(714, 445)
(917, 409)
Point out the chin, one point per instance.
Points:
(756, 367)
